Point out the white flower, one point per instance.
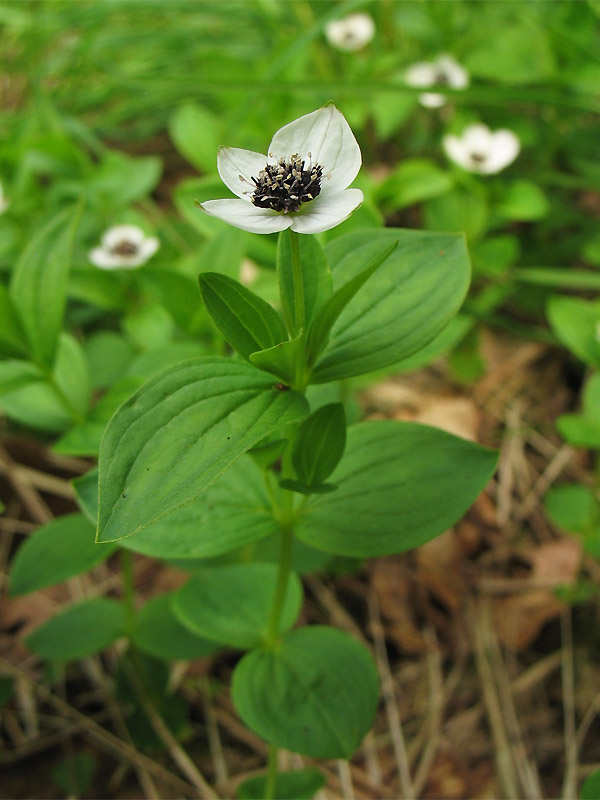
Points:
(300, 185)
(4, 204)
(444, 71)
(481, 150)
(123, 247)
(350, 33)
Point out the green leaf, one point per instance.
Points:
(179, 433)
(305, 488)
(405, 304)
(316, 278)
(330, 311)
(108, 355)
(282, 359)
(399, 485)
(17, 374)
(178, 293)
(79, 631)
(56, 551)
(413, 181)
(232, 604)
(457, 210)
(246, 321)
(572, 507)
(234, 512)
(319, 444)
(195, 132)
(71, 376)
(266, 454)
(517, 54)
(39, 283)
(159, 633)
(13, 341)
(121, 179)
(576, 324)
(522, 200)
(300, 785)
(591, 787)
(74, 774)
(316, 694)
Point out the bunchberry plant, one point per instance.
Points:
(216, 456)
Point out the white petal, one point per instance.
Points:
(421, 75)
(237, 167)
(326, 211)
(505, 148)
(456, 75)
(100, 257)
(478, 138)
(4, 204)
(457, 151)
(147, 249)
(351, 33)
(432, 100)
(326, 135)
(123, 233)
(247, 216)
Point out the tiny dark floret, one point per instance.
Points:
(286, 185)
(124, 248)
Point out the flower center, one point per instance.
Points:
(441, 78)
(286, 185)
(124, 248)
(477, 158)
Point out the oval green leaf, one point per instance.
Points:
(159, 633)
(56, 551)
(299, 785)
(232, 604)
(79, 631)
(399, 485)
(179, 433)
(316, 694)
(404, 305)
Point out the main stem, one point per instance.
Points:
(298, 283)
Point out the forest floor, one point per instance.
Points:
(489, 680)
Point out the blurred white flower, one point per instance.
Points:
(598, 331)
(481, 150)
(350, 33)
(123, 247)
(300, 185)
(4, 204)
(444, 71)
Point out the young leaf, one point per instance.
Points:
(13, 341)
(405, 304)
(56, 551)
(282, 359)
(266, 454)
(17, 374)
(316, 694)
(316, 277)
(575, 322)
(160, 634)
(79, 631)
(179, 433)
(39, 283)
(333, 307)
(399, 485)
(195, 133)
(247, 321)
(299, 785)
(231, 605)
(319, 444)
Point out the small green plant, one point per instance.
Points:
(217, 455)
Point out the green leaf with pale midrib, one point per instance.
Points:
(404, 305)
(399, 485)
(179, 433)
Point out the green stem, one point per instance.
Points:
(285, 563)
(128, 588)
(298, 283)
(271, 774)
